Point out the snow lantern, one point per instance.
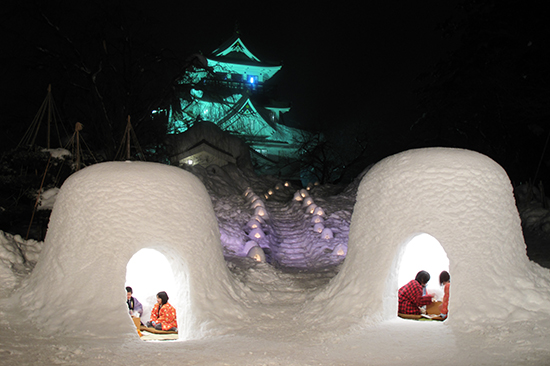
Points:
(260, 211)
(256, 234)
(253, 224)
(104, 215)
(318, 211)
(256, 253)
(304, 193)
(257, 203)
(253, 197)
(318, 228)
(297, 196)
(465, 201)
(248, 245)
(327, 234)
(317, 219)
(287, 184)
(258, 218)
(307, 201)
(311, 208)
(340, 250)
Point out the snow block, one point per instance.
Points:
(103, 215)
(463, 199)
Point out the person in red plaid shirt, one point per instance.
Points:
(413, 295)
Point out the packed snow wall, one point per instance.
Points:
(464, 200)
(103, 215)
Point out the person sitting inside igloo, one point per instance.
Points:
(134, 306)
(163, 315)
(413, 295)
(445, 281)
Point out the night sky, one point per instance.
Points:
(345, 63)
(353, 67)
(351, 64)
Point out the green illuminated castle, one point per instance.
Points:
(230, 88)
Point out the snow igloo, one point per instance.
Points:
(464, 200)
(102, 217)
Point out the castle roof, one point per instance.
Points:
(233, 55)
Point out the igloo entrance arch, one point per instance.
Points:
(148, 272)
(422, 252)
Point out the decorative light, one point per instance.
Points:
(260, 211)
(256, 234)
(317, 219)
(304, 193)
(311, 208)
(307, 201)
(287, 184)
(189, 161)
(319, 211)
(340, 250)
(253, 224)
(318, 227)
(327, 234)
(256, 253)
(258, 218)
(297, 196)
(266, 196)
(257, 204)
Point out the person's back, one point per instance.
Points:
(411, 296)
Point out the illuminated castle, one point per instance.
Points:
(230, 89)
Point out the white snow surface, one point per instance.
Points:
(307, 306)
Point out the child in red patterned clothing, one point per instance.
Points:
(163, 315)
(413, 295)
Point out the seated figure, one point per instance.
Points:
(163, 315)
(134, 306)
(445, 280)
(413, 295)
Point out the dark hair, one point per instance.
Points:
(444, 277)
(422, 277)
(129, 289)
(163, 296)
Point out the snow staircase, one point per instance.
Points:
(292, 242)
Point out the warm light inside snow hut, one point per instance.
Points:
(311, 208)
(260, 211)
(148, 272)
(423, 252)
(257, 203)
(307, 201)
(319, 211)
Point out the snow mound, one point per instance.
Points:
(464, 200)
(103, 215)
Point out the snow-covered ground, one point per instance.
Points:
(274, 324)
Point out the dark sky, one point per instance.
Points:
(341, 63)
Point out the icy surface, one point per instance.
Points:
(306, 306)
